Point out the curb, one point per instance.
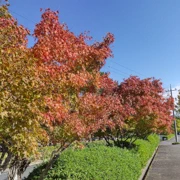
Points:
(36, 162)
(145, 170)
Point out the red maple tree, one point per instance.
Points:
(70, 69)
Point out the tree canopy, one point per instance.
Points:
(56, 93)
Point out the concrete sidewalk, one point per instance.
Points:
(166, 164)
(4, 175)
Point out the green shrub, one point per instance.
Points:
(97, 161)
(169, 136)
(96, 143)
(94, 163)
(145, 148)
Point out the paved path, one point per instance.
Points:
(166, 164)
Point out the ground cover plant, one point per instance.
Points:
(97, 161)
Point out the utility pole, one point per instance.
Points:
(175, 126)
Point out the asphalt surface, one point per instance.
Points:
(166, 164)
(4, 176)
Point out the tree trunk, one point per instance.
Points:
(55, 156)
(16, 165)
(48, 167)
(12, 174)
(6, 162)
(17, 168)
(2, 157)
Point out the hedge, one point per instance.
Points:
(169, 136)
(97, 161)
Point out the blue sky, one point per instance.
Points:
(147, 32)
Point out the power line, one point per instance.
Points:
(119, 70)
(118, 73)
(122, 75)
(23, 17)
(111, 61)
(133, 71)
(127, 68)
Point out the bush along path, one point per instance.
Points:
(97, 161)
